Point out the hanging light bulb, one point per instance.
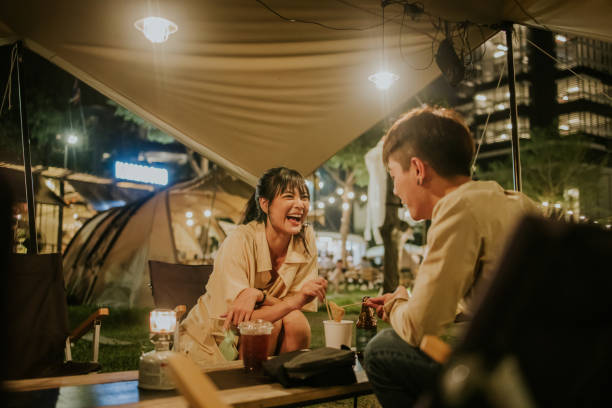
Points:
(156, 29)
(383, 79)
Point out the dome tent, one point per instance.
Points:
(107, 260)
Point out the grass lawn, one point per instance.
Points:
(125, 336)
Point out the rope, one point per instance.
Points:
(8, 88)
(484, 131)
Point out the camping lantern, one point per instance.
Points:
(153, 369)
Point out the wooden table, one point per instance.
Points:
(120, 389)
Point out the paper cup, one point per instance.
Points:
(338, 333)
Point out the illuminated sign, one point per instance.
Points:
(143, 174)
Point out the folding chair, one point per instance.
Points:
(38, 325)
(176, 284)
(542, 334)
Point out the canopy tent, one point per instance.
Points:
(107, 260)
(250, 90)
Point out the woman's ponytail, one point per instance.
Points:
(251, 211)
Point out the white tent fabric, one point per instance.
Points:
(377, 194)
(250, 90)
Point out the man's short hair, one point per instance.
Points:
(438, 136)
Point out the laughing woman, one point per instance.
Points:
(265, 269)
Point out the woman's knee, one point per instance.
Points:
(296, 326)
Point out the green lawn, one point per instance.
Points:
(130, 328)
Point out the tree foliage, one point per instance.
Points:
(152, 133)
(550, 166)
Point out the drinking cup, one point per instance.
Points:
(254, 339)
(338, 333)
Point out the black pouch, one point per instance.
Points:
(321, 367)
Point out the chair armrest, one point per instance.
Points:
(88, 324)
(436, 348)
(180, 311)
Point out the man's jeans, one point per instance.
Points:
(398, 372)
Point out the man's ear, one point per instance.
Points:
(420, 168)
(263, 204)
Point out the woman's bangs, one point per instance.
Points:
(291, 182)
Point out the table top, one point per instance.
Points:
(121, 389)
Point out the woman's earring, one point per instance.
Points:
(419, 181)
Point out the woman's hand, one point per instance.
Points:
(242, 307)
(314, 289)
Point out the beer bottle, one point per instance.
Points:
(366, 327)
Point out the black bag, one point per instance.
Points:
(321, 367)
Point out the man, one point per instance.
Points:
(428, 153)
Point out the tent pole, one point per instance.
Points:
(516, 158)
(60, 219)
(25, 143)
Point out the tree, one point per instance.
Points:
(47, 92)
(555, 170)
(347, 168)
(149, 132)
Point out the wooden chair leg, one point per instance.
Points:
(196, 387)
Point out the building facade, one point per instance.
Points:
(549, 96)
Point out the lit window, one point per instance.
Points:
(481, 97)
(560, 38)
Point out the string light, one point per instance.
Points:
(345, 206)
(320, 205)
(190, 222)
(331, 200)
(383, 79)
(364, 197)
(189, 214)
(207, 213)
(340, 191)
(350, 195)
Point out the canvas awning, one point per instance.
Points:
(250, 90)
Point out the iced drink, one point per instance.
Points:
(254, 339)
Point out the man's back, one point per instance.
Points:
(469, 228)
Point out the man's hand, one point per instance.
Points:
(242, 307)
(378, 303)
